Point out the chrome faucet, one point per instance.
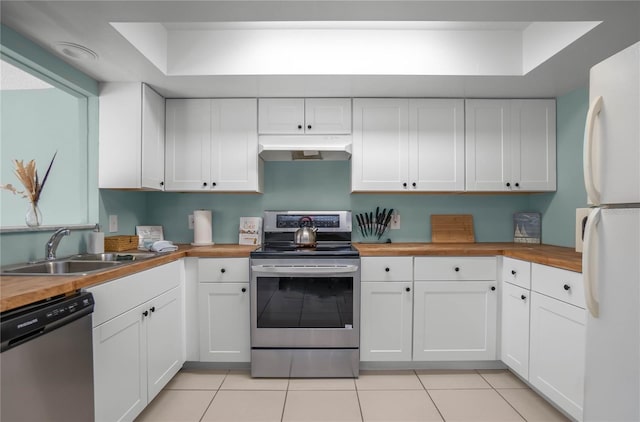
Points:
(52, 244)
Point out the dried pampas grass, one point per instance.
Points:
(28, 176)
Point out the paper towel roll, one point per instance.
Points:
(202, 229)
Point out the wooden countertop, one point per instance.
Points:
(16, 291)
(555, 256)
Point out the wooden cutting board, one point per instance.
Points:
(452, 228)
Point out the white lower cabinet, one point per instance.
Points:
(224, 309)
(454, 320)
(224, 322)
(557, 353)
(138, 340)
(515, 328)
(386, 309)
(455, 308)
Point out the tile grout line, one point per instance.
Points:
(214, 396)
(501, 396)
(429, 395)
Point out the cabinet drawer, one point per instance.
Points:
(563, 285)
(516, 272)
(387, 268)
(223, 269)
(118, 296)
(455, 268)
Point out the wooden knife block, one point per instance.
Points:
(452, 228)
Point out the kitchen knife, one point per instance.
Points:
(386, 222)
(377, 225)
(360, 224)
(383, 216)
(368, 225)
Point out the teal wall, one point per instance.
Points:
(20, 246)
(37, 123)
(558, 209)
(326, 186)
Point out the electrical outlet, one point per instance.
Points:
(113, 223)
(190, 221)
(395, 221)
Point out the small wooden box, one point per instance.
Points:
(120, 243)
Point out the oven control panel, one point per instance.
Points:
(290, 221)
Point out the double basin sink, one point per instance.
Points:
(76, 264)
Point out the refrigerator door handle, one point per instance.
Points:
(588, 262)
(587, 159)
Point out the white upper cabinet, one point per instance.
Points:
(408, 145)
(510, 145)
(295, 116)
(131, 136)
(436, 145)
(380, 144)
(212, 145)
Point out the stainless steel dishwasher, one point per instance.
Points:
(46, 361)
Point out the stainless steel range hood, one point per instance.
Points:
(304, 147)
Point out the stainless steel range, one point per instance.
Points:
(305, 300)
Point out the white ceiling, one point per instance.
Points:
(89, 23)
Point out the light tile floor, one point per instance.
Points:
(384, 396)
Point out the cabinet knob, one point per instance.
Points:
(308, 126)
(204, 183)
(517, 184)
(493, 288)
(566, 287)
(513, 272)
(387, 269)
(152, 309)
(508, 184)
(408, 289)
(456, 269)
(299, 127)
(213, 183)
(414, 184)
(145, 313)
(244, 289)
(404, 185)
(523, 297)
(161, 183)
(222, 270)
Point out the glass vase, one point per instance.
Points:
(33, 218)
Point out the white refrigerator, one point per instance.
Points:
(611, 255)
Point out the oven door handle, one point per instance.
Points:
(304, 269)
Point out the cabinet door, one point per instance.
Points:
(515, 328)
(165, 339)
(455, 320)
(234, 145)
(436, 145)
(120, 367)
(153, 118)
(385, 333)
(327, 116)
(224, 322)
(487, 146)
(188, 145)
(281, 116)
(557, 354)
(380, 145)
(533, 152)
(119, 135)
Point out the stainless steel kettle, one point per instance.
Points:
(305, 235)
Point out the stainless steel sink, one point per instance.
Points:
(113, 256)
(62, 267)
